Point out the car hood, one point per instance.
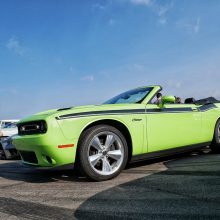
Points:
(80, 109)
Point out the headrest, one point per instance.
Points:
(190, 101)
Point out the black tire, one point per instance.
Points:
(106, 167)
(215, 145)
(2, 153)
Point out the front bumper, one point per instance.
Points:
(55, 168)
(41, 150)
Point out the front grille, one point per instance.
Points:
(28, 156)
(33, 127)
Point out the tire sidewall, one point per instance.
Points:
(216, 132)
(83, 152)
(215, 145)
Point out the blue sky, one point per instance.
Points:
(58, 53)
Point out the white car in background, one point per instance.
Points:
(8, 128)
(4, 123)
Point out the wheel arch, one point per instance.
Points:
(216, 122)
(215, 144)
(118, 125)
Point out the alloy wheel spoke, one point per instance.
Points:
(105, 153)
(115, 154)
(97, 144)
(94, 159)
(109, 141)
(106, 167)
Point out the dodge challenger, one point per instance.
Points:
(101, 139)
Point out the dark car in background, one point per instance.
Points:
(8, 128)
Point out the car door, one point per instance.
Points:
(173, 125)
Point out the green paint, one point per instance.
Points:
(156, 128)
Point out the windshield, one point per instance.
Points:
(132, 96)
(8, 125)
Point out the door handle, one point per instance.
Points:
(195, 109)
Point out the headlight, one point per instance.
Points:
(33, 127)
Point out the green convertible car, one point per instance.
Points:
(101, 139)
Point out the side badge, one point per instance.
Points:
(136, 119)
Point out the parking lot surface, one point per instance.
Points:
(183, 187)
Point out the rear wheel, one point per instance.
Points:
(215, 145)
(102, 153)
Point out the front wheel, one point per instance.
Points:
(102, 152)
(215, 145)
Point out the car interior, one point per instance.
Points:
(191, 100)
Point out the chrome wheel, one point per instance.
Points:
(105, 153)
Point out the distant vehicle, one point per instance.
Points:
(5, 123)
(101, 139)
(8, 128)
(7, 149)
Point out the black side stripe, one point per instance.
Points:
(168, 110)
(136, 111)
(107, 112)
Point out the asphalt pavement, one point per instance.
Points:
(183, 187)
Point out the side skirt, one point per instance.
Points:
(169, 152)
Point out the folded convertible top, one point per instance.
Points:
(206, 101)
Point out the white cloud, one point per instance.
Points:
(98, 6)
(190, 26)
(141, 2)
(197, 25)
(158, 8)
(197, 76)
(162, 21)
(139, 66)
(14, 45)
(112, 22)
(88, 78)
(163, 9)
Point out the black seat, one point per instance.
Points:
(190, 101)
